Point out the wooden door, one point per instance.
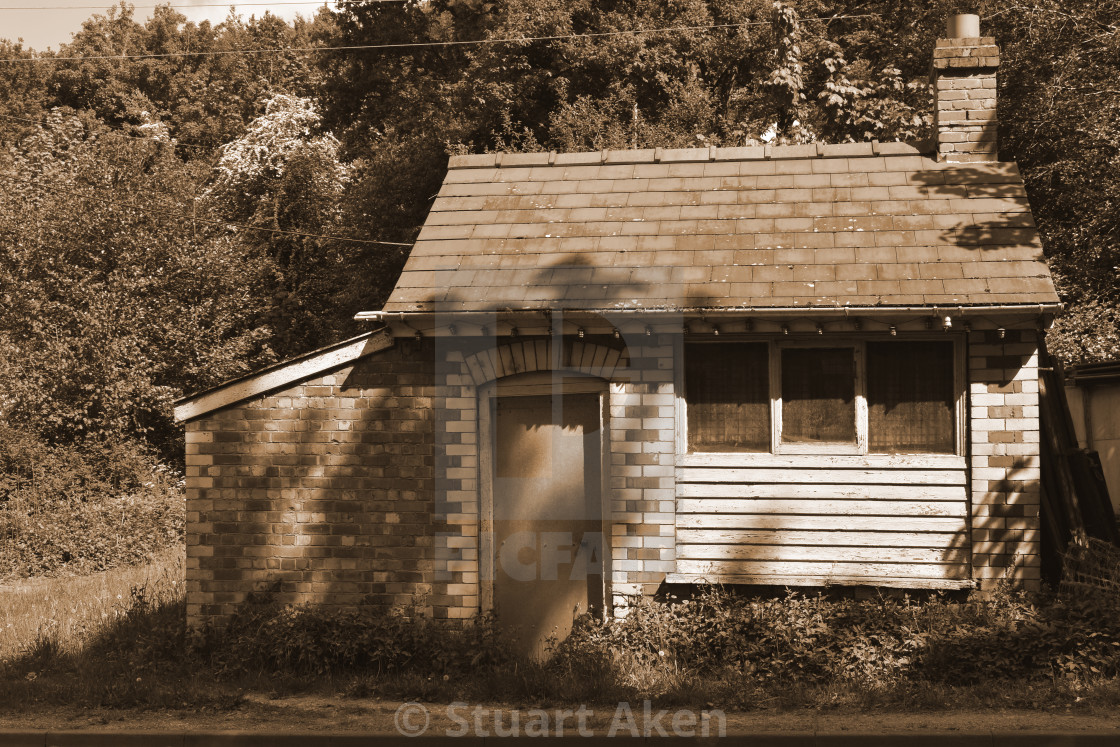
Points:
(547, 515)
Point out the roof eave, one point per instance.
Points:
(724, 311)
(281, 374)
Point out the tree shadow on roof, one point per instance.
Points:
(990, 204)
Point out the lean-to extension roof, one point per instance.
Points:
(815, 226)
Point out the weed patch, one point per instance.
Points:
(715, 649)
(312, 640)
(81, 509)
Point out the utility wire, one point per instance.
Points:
(230, 3)
(417, 45)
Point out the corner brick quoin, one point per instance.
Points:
(1006, 458)
(359, 486)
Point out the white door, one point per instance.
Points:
(547, 514)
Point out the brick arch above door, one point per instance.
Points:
(530, 355)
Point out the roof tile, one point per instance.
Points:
(793, 168)
(809, 226)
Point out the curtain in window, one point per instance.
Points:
(910, 397)
(727, 386)
(818, 395)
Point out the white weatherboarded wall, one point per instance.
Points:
(812, 520)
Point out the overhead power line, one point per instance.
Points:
(230, 3)
(418, 45)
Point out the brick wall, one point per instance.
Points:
(643, 483)
(321, 492)
(1003, 397)
(457, 500)
(964, 80)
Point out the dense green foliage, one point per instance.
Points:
(310, 640)
(755, 646)
(185, 203)
(796, 640)
(81, 509)
(715, 650)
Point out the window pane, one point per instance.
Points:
(727, 386)
(818, 395)
(910, 397)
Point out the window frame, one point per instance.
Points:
(859, 446)
(858, 346)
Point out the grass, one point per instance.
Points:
(113, 639)
(117, 639)
(70, 610)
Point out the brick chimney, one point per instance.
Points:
(964, 98)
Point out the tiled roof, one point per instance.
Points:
(813, 226)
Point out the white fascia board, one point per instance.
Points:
(276, 377)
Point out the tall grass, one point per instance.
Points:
(67, 613)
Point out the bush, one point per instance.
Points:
(714, 650)
(307, 639)
(715, 645)
(800, 640)
(79, 509)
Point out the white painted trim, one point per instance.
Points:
(485, 438)
(680, 402)
(274, 378)
(971, 313)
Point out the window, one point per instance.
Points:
(728, 393)
(818, 395)
(881, 397)
(910, 398)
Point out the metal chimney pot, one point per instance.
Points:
(963, 26)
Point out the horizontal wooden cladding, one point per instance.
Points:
(822, 569)
(826, 554)
(914, 508)
(838, 491)
(827, 580)
(820, 520)
(793, 537)
(846, 523)
(821, 461)
(827, 476)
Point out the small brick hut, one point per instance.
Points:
(603, 373)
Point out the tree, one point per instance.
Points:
(23, 92)
(1059, 104)
(284, 176)
(112, 304)
(197, 78)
